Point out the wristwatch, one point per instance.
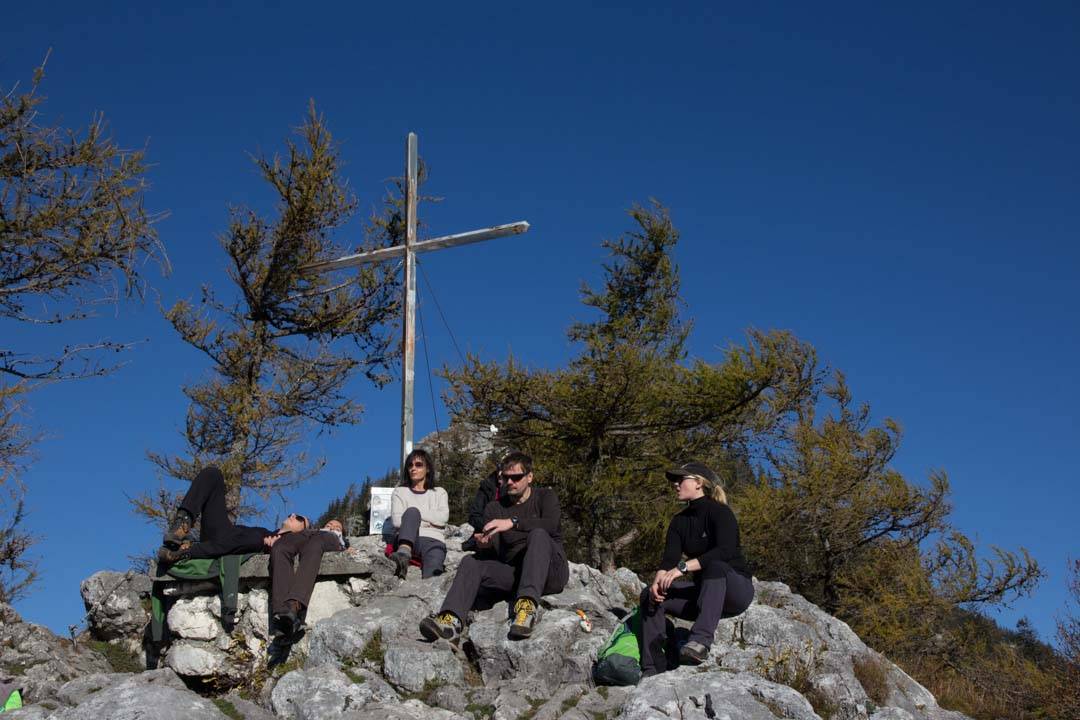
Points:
(514, 522)
(681, 567)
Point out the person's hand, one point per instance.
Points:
(654, 591)
(665, 578)
(269, 540)
(494, 527)
(482, 540)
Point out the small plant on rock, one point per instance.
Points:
(870, 673)
(374, 651)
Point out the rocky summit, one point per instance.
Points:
(362, 658)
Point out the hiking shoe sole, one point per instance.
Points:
(519, 632)
(693, 655)
(433, 631)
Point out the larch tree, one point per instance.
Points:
(286, 342)
(629, 403)
(74, 234)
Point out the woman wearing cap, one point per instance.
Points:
(703, 575)
(419, 511)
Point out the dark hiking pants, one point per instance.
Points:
(432, 552)
(217, 534)
(541, 570)
(288, 583)
(715, 592)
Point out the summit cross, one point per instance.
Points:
(408, 251)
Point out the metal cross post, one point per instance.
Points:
(409, 250)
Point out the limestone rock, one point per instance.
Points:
(81, 688)
(326, 693)
(681, 694)
(345, 635)
(191, 660)
(29, 712)
(248, 710)
(196, 618)
(412, 665)
(145, 696)
(42, 661)
(327, 598)
(116, 603)
(408, 710)
(558, 651)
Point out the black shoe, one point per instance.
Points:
(287, 626)
(179, 527)
(166, 556)
(401, 563)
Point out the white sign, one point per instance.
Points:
(380, 510)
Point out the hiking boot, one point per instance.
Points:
(526, 615)
(179, 527)
(693, 653)
(167, 556)
(444, 625)
(287, 625)
(401, 563)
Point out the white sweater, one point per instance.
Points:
(434, 507)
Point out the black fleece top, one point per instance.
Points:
(704, 530)
(488, 491)
(540, 511)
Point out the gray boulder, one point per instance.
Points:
(408, 710)
(413, 665)
(41, 661)
(682, 694)
(116, 603)
(76, 691)
(155, 695)
(326, 693)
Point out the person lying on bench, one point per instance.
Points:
(218, 535)
(290, 590)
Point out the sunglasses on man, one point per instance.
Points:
(513, 477)
(301, 518)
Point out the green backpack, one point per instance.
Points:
(11, 696)
(619, 662)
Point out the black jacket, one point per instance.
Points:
(488, 491)
(704, 530)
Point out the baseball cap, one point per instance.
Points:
(692, 468)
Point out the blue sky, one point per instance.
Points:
(897, 186)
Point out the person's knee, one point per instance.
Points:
(411, 513)
(538, 536)
(715, 569)
(211, 474)
(468, 564)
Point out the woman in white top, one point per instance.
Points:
(419, 511)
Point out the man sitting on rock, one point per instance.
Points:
(523, 529)
(290, 589)
(218, 535)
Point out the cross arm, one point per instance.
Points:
(437, 243)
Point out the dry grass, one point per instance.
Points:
(870, 672)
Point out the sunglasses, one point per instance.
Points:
(418, 464)
(513, 477)
(299, 517)
(679, 481)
